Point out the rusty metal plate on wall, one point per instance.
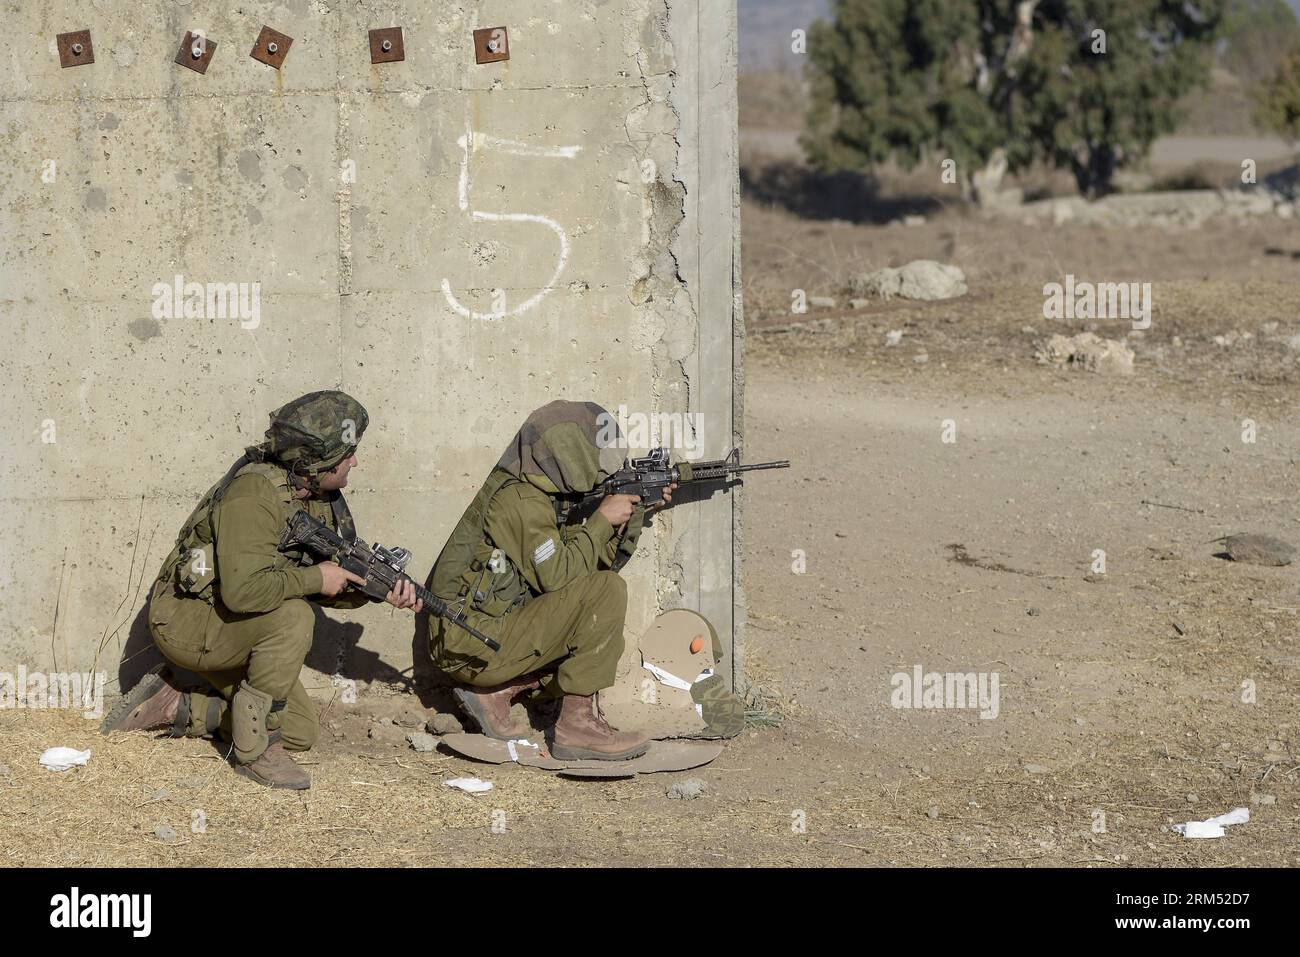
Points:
(272, 47)
(75, 48)
(491, 45)
(386, 45)
(196, 52)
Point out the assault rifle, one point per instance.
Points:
(382, 568)
(650, 475)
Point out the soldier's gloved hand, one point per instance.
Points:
(617, 509)
(403, 596)
(334, 579)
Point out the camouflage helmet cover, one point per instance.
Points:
(313, 433)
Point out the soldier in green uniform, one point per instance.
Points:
(551, 596)
(230, 607)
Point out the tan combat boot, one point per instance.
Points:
(581, 733)
(275, 768)
(490, 707)
(153, 703)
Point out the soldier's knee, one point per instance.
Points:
(610, 589)
(295, 620)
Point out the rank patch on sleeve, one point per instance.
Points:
(543, 551)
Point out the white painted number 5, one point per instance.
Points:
(472, 142)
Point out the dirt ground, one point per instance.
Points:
(1124, 694)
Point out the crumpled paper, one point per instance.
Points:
(469, 785)
(62, 759)
(1215, 825)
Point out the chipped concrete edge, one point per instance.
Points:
(705, 554)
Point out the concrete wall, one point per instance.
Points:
(355, 195)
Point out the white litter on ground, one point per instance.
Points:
(513, 747)
(469, 785)
(1215, 825)
(62, 759)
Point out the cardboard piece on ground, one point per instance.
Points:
(641, 701)
(662, 756)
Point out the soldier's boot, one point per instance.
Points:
(490, 707)
(275, 768)
(582, 733)
(155, 702)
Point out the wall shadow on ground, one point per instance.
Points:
(810, 194)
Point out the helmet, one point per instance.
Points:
(316, 432)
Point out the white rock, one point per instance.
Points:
(1090, 352)
(921, 279)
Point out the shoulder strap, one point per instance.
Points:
(343, 523)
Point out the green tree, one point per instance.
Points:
(1256, 36)
(998, 84)
(1278, 100)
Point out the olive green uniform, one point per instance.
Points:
(251, 623)
(553, 596)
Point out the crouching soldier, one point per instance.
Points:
(230, 607)
(549, 595)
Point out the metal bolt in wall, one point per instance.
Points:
(75, 48)
(386, 45)
(196, 52)
(271, 48)
(491, 45)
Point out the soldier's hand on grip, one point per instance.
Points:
(617, 509)
(334, 579)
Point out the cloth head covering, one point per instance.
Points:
(565, 448)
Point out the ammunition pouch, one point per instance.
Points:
(495, 593)
(196, 572)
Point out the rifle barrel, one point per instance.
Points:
(717, 470)
(440, 608)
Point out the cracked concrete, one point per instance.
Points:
(596, 194)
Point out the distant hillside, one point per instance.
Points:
(765, 27)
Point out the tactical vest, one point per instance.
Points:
(192, 566)
(466, 568)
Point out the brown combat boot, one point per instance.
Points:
(581, 733)
(153, 703)
(490, 707)
(275, 768)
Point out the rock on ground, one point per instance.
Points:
(444, 724)
(408, 719)
(1088, 351)
(1258, 549)
(922, 279)
(687, 790)
(385, 734)
(424, 743)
